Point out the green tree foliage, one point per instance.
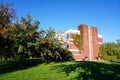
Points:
(102, 52)
(112, 51)
(22, 39)
(7, 14)
(78, 38)
(118, 42)
(53, 49)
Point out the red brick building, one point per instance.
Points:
(90, 44)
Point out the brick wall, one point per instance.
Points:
(100, 41)
(94, 41)
(90, 45)
(85, 45)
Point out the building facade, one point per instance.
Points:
(90, 43)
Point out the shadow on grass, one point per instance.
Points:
(91, 70)
(6, 67)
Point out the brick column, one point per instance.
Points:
(85, 45)
(94, 42)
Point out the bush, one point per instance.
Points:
(66, 55)
(111, 58)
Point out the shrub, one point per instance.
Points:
(111, 58)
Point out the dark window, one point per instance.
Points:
(67, 46)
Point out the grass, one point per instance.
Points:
(71, 70)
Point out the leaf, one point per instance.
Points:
(20, 49)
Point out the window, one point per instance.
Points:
(67, 37)
(67, 46)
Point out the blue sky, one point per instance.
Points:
(66, 14)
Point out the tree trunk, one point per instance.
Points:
(20, 60)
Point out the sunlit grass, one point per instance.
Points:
(65, 71)
(39, 72)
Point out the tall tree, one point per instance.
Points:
(118, 42)
(23, 38)
(7, 14)
(112, 51)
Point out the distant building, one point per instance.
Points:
(90, 44)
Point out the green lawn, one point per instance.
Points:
(83, 70)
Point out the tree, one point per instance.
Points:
(118, 42)
(51, 45)
(102, 53)
(23, 39)
(52, 48)
(7, 14)
(112, 51)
